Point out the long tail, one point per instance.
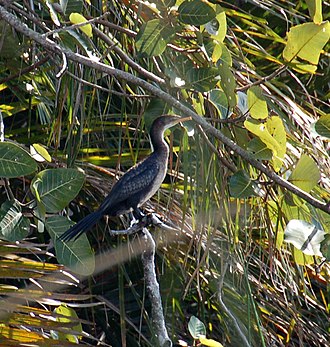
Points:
(82, 226)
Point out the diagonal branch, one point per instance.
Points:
(78, 58)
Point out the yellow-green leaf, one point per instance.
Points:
(299, 176)
(209, 342)
(77, 18)
(306, 41)
(302, 259)
(40, 153)
(276, 129)
(272, 134)
(315, 10)
(257, 103)
(68, 315)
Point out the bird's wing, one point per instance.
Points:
(135, 180)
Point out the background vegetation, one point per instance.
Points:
(254, 75)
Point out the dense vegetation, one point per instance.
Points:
(249, 191)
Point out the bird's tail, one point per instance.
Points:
(82, 226)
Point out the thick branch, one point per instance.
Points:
(78, 58)
(148, 260)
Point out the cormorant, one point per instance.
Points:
(137, 185)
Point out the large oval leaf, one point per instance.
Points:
(306, 174)
(77, 254)
(15, 161)
(322, 126)
(153, 37)
(228, 83)
(55, 188)
(306, 41)
(241, 185)
(196, 12)
(203, 79)
(272, 134)
(13, 226)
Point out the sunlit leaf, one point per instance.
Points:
(209, 342)
(68, 315)
(276, 129)
(217, 27)
(15, 161)
(55, 188)
(306, 174)
(77, 254)
(195, 12)
(306, 41)
(257, 103)
(40, 153)
(272, 133)
(77, 18)
(315, 10)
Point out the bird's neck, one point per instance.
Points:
(158, 143)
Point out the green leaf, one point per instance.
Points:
(202, 79)
(76, 254)
(217, 28)
(259, 149)
(196, 327)
(209, 342)
(153, 37)
(219, 99)
(70, 6)
(55, 188)
(315, 10)
(15, 161)
(196, 12)
(241, 185)
(257, 103)
(77, 18)
(40, 153)
(302, 259)
(306, 174)
(276, 129)
(228, 83)
(13, 226)
(325, 247)
(322, 126)
(272, 134)
(306, 41)
(66, 314)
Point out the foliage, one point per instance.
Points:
(254, 75)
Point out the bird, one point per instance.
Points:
(137, 185)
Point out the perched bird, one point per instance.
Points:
(137, 185)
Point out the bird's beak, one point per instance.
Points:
(184, 119)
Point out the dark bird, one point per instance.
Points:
(137, 185)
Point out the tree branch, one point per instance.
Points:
(78, 58)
